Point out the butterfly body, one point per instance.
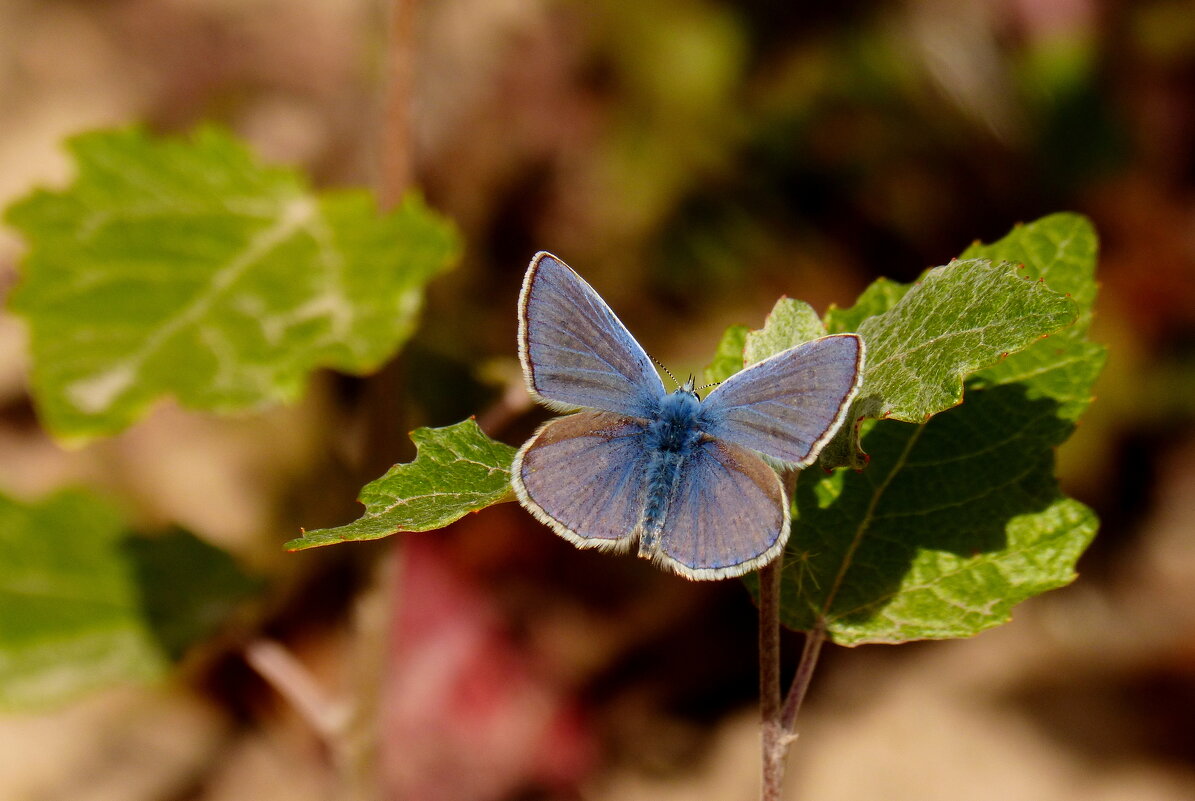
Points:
(670, 438)
(683, 478)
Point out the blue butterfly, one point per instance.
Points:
(684, 478)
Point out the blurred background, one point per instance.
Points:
(694, 159)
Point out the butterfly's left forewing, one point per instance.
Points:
(788, 406)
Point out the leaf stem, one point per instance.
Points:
(291, 679)
(814, 640)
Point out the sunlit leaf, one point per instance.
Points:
(956, 518)
(954, 321)
(457, 470)
(790, 323)
(953, 523)
(186, 268)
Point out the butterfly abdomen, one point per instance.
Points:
(671, 437)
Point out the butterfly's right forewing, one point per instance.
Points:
(575, 351)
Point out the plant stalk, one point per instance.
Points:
(772, 740)
(778, 719)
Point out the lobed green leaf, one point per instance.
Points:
(1060, 249)
(790, 323)
(457, 470)
(953, 523)
(958, 517)
(186, 268)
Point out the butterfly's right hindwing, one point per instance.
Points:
(575, 351)
(584, 476)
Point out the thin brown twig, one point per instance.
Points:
(286, 674)
(395, 152)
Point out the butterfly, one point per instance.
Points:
(687, 480)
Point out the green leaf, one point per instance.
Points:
(955, 320)
(188, 588)
(790, 323)
(457, 470)
(83, 605)
(1061, 250)
(728, 359)
(878, 298)
(70, 612)
(953, 523)
(958, 518)
(187, 268)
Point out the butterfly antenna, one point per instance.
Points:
(660, 364)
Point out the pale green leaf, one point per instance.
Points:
(186, 268)
(790, 323)
(955, 320)
(457, 470)
(1061, 250)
